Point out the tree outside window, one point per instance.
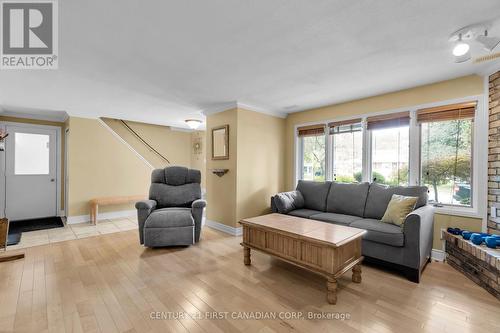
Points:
(446, 161)
(313, 159)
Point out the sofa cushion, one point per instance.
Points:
(170, 217)
(347, 198)
(304, 212)
(380, 232)
(314, 194)
(334, 218)
(380, 195)
(288, 201)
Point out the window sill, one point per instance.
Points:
(458, 211)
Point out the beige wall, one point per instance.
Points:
(63, 143)
(221, 191)
(198, 160)
(100, 165)
(174, 145)
(261, 161)
(441, 91)
(442, 221)
(256, 164)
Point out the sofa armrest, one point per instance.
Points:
(274, 209)
(197, 211)
(144, 209)
(285, 202)
(418, 231)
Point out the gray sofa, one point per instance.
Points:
(362, 205)
(173, 213)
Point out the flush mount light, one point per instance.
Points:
(193, 123)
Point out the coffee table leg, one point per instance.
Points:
(331, 290)
(356, 274)
(246, 256)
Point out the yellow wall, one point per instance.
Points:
(174, 145)
(261, 161)
(100, 165)
(221, 191)
(442, 221)
(198, 160)
(256, 164)
(63, 142)
(441, 91)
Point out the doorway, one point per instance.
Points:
(31, 168)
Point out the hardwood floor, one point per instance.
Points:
(109, 283)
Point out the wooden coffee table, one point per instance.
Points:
(321, 247)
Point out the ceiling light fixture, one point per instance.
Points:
(464, 38)
(193, 123)
(460, 48)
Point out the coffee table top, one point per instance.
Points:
(335, 235)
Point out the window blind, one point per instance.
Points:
(345, 126)
(447, 112)
(311, 130)
(388, 120)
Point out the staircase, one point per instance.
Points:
(133, 137)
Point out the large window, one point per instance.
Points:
(446, 154)
(347, 144)
(313, 148)
(431, 147)
(390, 153)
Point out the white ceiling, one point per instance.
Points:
(163, 61)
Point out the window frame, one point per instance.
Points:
(300, 159)
(472, 189)
(479, 153)
(370, 148)
(331, 156)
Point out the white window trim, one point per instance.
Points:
(480, 152)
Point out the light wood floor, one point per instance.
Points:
(109, 283)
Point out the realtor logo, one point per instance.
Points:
(29, 35)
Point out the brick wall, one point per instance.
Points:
(477, 262)
(494, 153)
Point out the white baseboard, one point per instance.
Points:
(101, 216)
(438, 255)
(224, 228)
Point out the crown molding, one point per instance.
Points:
(235, 104)
(54, 118)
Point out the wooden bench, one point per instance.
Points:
(107, 201)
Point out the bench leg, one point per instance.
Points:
(93, 214)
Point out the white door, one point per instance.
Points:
(30, 173)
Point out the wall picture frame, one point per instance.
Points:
(220, 143)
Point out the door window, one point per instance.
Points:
(31, 154)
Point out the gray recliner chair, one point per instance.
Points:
(173, 213)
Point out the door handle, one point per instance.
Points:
(52, 180)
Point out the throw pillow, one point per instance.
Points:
(398, 208)
(288, 201)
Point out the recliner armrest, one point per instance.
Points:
(197, 211)
(199, 204)
(146, 204)
(144, 208)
